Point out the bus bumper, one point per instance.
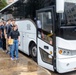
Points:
(66, 65)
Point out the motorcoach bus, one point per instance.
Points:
(47, 31)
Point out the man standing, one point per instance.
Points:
(8, 29)
(3, 36)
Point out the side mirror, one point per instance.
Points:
(59, 6)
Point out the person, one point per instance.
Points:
(13, 23)
(39, 28)
(8, 29)
(15, 35)
(39, 23)
(3, 35)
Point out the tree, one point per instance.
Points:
(2, 3)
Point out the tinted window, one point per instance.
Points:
(69, 15)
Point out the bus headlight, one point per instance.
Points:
(64, 51)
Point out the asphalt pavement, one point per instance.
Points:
(23, 66)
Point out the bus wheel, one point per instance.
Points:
(34, 52)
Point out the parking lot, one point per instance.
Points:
(22, 66)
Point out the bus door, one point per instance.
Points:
(45, 24)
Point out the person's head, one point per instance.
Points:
(15, 27)
(13, 21)
(9, 21)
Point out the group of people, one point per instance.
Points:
(8, 31)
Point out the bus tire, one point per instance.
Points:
(33, 50)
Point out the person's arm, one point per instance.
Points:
(1, 35)
(9, 37)
(19, 38)
(5, 33)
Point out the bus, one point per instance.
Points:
(47, 31)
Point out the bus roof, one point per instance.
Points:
(8, 5)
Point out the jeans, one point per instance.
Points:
(9, 52)
(14, 49)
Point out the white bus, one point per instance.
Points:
(47, 30)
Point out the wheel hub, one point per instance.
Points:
(34, 51)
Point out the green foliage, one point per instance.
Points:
(2, 3)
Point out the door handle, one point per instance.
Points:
(46, 47)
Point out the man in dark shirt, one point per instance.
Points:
(15, 35)
(8, 29)
(3, 36)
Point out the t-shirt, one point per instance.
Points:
(14, 34)
(8, 28)
(38, 23)
(2, 29)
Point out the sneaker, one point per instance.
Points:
(12, 58)
(6, 52)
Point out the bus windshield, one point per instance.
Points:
(68, 21)
(69, 15)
